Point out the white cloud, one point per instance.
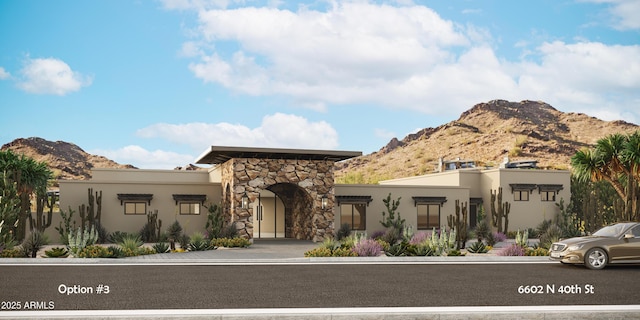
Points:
(51, 76)
(4, 74)
(402, 57)
(624, 13)
(277, 130)
(145, 159)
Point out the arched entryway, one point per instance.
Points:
(302, 180)
(283, 210)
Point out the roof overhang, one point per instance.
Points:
(221, 154)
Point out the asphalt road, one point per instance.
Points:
(125, 287)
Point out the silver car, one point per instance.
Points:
(617, 243)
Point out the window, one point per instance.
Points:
(428, 215)
(189, 207)
(520, 195)
(354, 214)
(548, 195)
(131, 207)
(135, 203)
(548, 192)
(353, 210)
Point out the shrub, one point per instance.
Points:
(343, 232)
(230, 231)
(318, 252)
(367, 248)
(455, 253)
(326, 252)
(419, 237)
(94, 251)
(392, 236)
(343, 252)
(512, 250)
(117, 236)
(541, 252)
(15, 252)
(330, 244)
(551, 235)
(57, 252)
(377, 234)
(184, 241)
(237, 242)
(33, 243)
(499, 237)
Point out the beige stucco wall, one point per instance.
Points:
(161, 183)
(526, 214)
(523, 214)
(407, 208)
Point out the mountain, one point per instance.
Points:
(486, 133)
(66, 160)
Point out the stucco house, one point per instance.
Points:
(290, 193)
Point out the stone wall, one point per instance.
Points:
(300, 183)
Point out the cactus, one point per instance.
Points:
(89, 216)
(499, 211)
(151, 231)
(392, 221)
(459, 224)
(41, 222)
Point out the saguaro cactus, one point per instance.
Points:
(41, 222)
(499, 211)
(89, 216)
(459, 224)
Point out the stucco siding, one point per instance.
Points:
(407, 207)
(74, 193)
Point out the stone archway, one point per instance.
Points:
(298, 209)
(302, 184)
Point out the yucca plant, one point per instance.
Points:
(131, 244)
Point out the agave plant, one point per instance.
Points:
(198, 242)
(57, 252)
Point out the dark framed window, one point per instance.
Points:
(354, 214)
(548, 195)
(135, 207)
(189, 208)
(520, 195)
(428, 215)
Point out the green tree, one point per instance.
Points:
(616, 160)
(30, 178)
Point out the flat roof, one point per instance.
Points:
(221, 154)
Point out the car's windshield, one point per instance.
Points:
(610, 231)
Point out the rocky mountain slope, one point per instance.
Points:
(486, 133)
(66, 160)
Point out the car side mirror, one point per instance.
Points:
(629, 236)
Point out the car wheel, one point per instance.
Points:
(596, 258)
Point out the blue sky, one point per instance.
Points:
(154, 83)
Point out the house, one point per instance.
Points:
(290, 193)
